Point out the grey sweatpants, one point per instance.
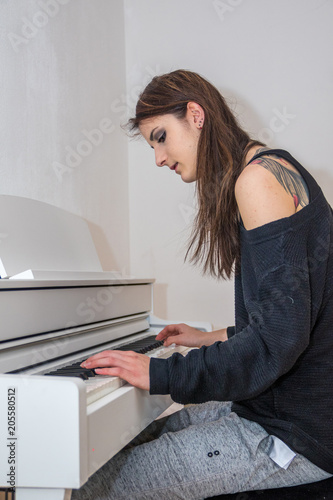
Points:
(198, 452)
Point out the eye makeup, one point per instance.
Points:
(157, 135)
(162, 137)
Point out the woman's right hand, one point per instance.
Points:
(188, 336)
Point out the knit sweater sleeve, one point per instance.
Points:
(231, 330)
(251, 360)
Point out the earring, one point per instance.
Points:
(200, 124)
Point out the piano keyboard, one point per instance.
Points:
(98, 386)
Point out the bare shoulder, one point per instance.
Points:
(261, 196)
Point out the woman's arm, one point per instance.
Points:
(134, 367)
(255, 357)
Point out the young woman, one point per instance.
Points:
(263, 218)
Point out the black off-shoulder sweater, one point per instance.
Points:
(277, 364)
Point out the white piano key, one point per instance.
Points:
(100, 386)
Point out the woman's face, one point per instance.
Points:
(175, 142)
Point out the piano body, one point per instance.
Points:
(59, 425)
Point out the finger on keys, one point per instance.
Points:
(128, 365)
(106, 358)
(88, 362)
(167, 331)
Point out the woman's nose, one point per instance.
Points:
(160, 158)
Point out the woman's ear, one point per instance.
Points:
(195, 114)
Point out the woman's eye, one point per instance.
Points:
(162, 137)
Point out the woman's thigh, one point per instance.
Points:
(203, 459)
(182, 419)
(224, 455)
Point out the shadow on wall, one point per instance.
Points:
(325, 181)
(103, 249)
(160, 300)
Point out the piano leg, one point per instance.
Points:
(42, 494)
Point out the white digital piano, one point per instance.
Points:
(59, 423)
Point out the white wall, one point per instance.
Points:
(62, 73)
(272, 59)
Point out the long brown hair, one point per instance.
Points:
(222, 148)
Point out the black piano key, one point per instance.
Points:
(141, 346)
(70, 369)
(77, 368)
(64, 374)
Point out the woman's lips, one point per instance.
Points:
(173, 167)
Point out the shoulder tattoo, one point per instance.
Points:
(291, 181)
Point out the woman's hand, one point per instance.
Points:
(188, 336)
(128, 365)
(181, 334)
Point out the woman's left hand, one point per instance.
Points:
(128, 365)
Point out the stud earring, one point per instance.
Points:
(200, 124)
